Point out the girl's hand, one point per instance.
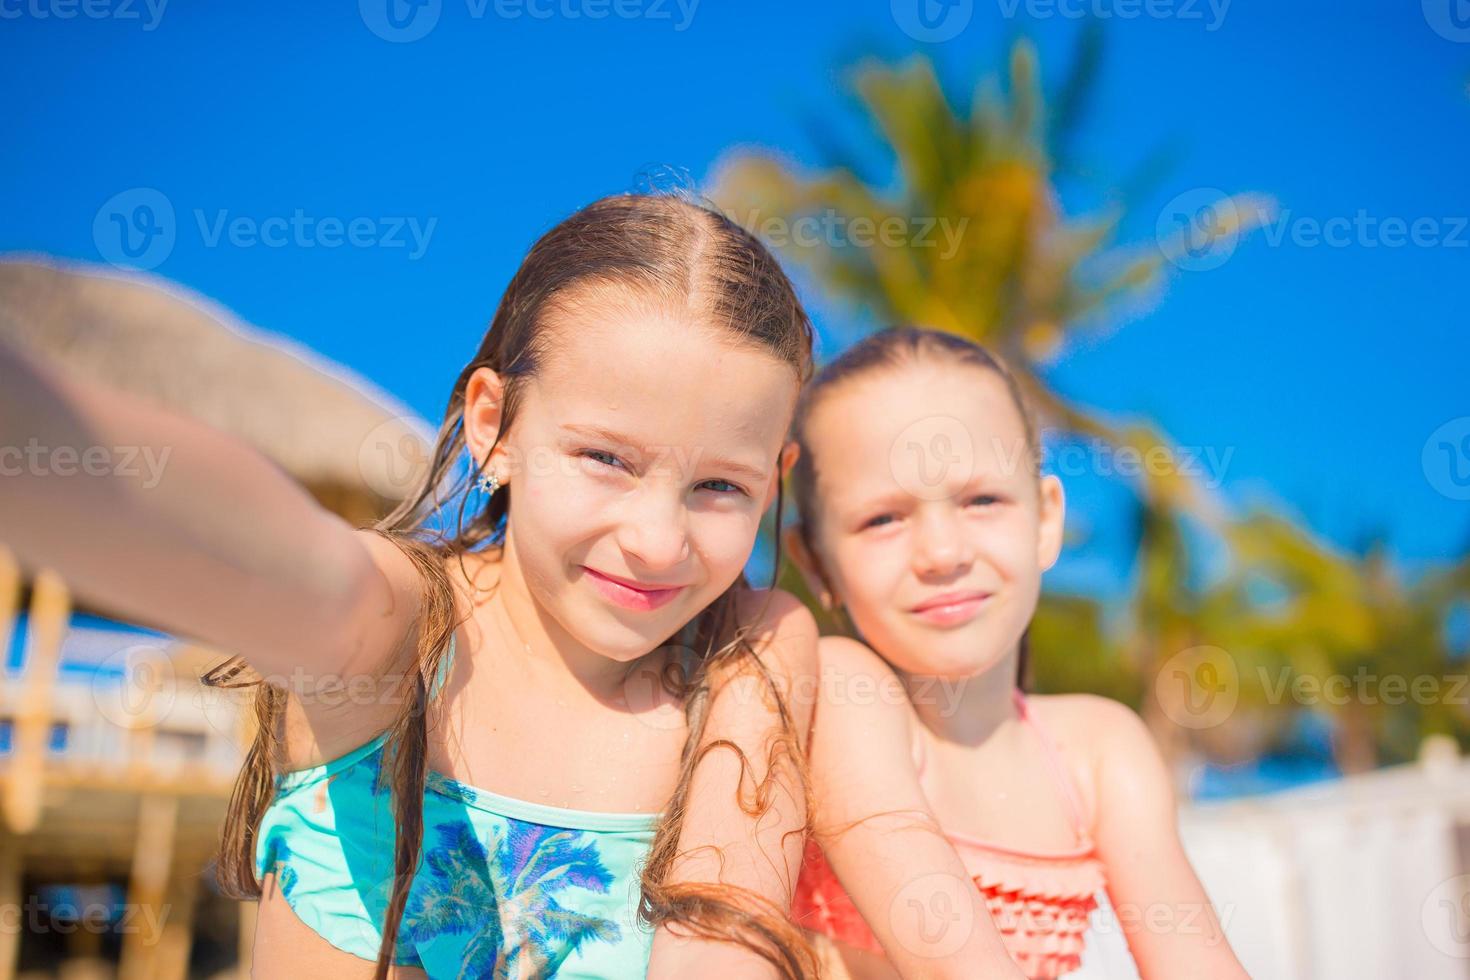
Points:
(879, 834)
(720, 841)
(1171, 927)
(218, 545)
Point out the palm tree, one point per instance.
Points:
(1007, 267)
(1352, 618)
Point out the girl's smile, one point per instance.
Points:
(951, 608)
(627, 593)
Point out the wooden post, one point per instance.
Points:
(50, 611)
(148, 886)
(248, 913)
(12, 912)
(171, 962)
(9, 606)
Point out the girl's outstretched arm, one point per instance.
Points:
(721, 839)
(214, 542)
(1162, 909)
(877, 830)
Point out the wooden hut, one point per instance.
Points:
(115, 762)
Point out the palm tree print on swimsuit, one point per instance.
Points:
(508, 904)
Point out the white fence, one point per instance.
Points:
(1358, 879)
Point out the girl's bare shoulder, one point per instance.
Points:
(1080, 709)
(1096, 736)
(1102, 724)
(782, 624)
(860, 691)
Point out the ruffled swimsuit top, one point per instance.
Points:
(1040, 901)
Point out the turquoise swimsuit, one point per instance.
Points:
(504, 888)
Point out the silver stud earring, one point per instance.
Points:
(488, 483)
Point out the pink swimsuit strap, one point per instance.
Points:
(1061, 774)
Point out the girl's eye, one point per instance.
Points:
(598, 455)
(729, 487)
(985, 499)
(878, 521)
(605, 458)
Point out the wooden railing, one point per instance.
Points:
(144, 735)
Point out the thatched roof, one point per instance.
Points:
(329, 428)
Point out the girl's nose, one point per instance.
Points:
(655, 532)
(940, 544)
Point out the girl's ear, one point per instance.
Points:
(811, 570)
(789, 455)
(1051, 515)
(484, 400)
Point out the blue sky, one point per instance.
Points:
(1321, 370)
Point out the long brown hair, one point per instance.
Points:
(674, 250)
(885, 350)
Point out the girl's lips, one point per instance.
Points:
(952, 612)
(629, 596)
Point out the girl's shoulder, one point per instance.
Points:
(1080, 710)
(853, 662)
(1103, 741)
(860, 686)
(843, 652)
(1101, 725)
(865, 729)
(779, 621)
(771, 606)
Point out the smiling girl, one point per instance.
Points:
(947, 797)
(551, 740)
